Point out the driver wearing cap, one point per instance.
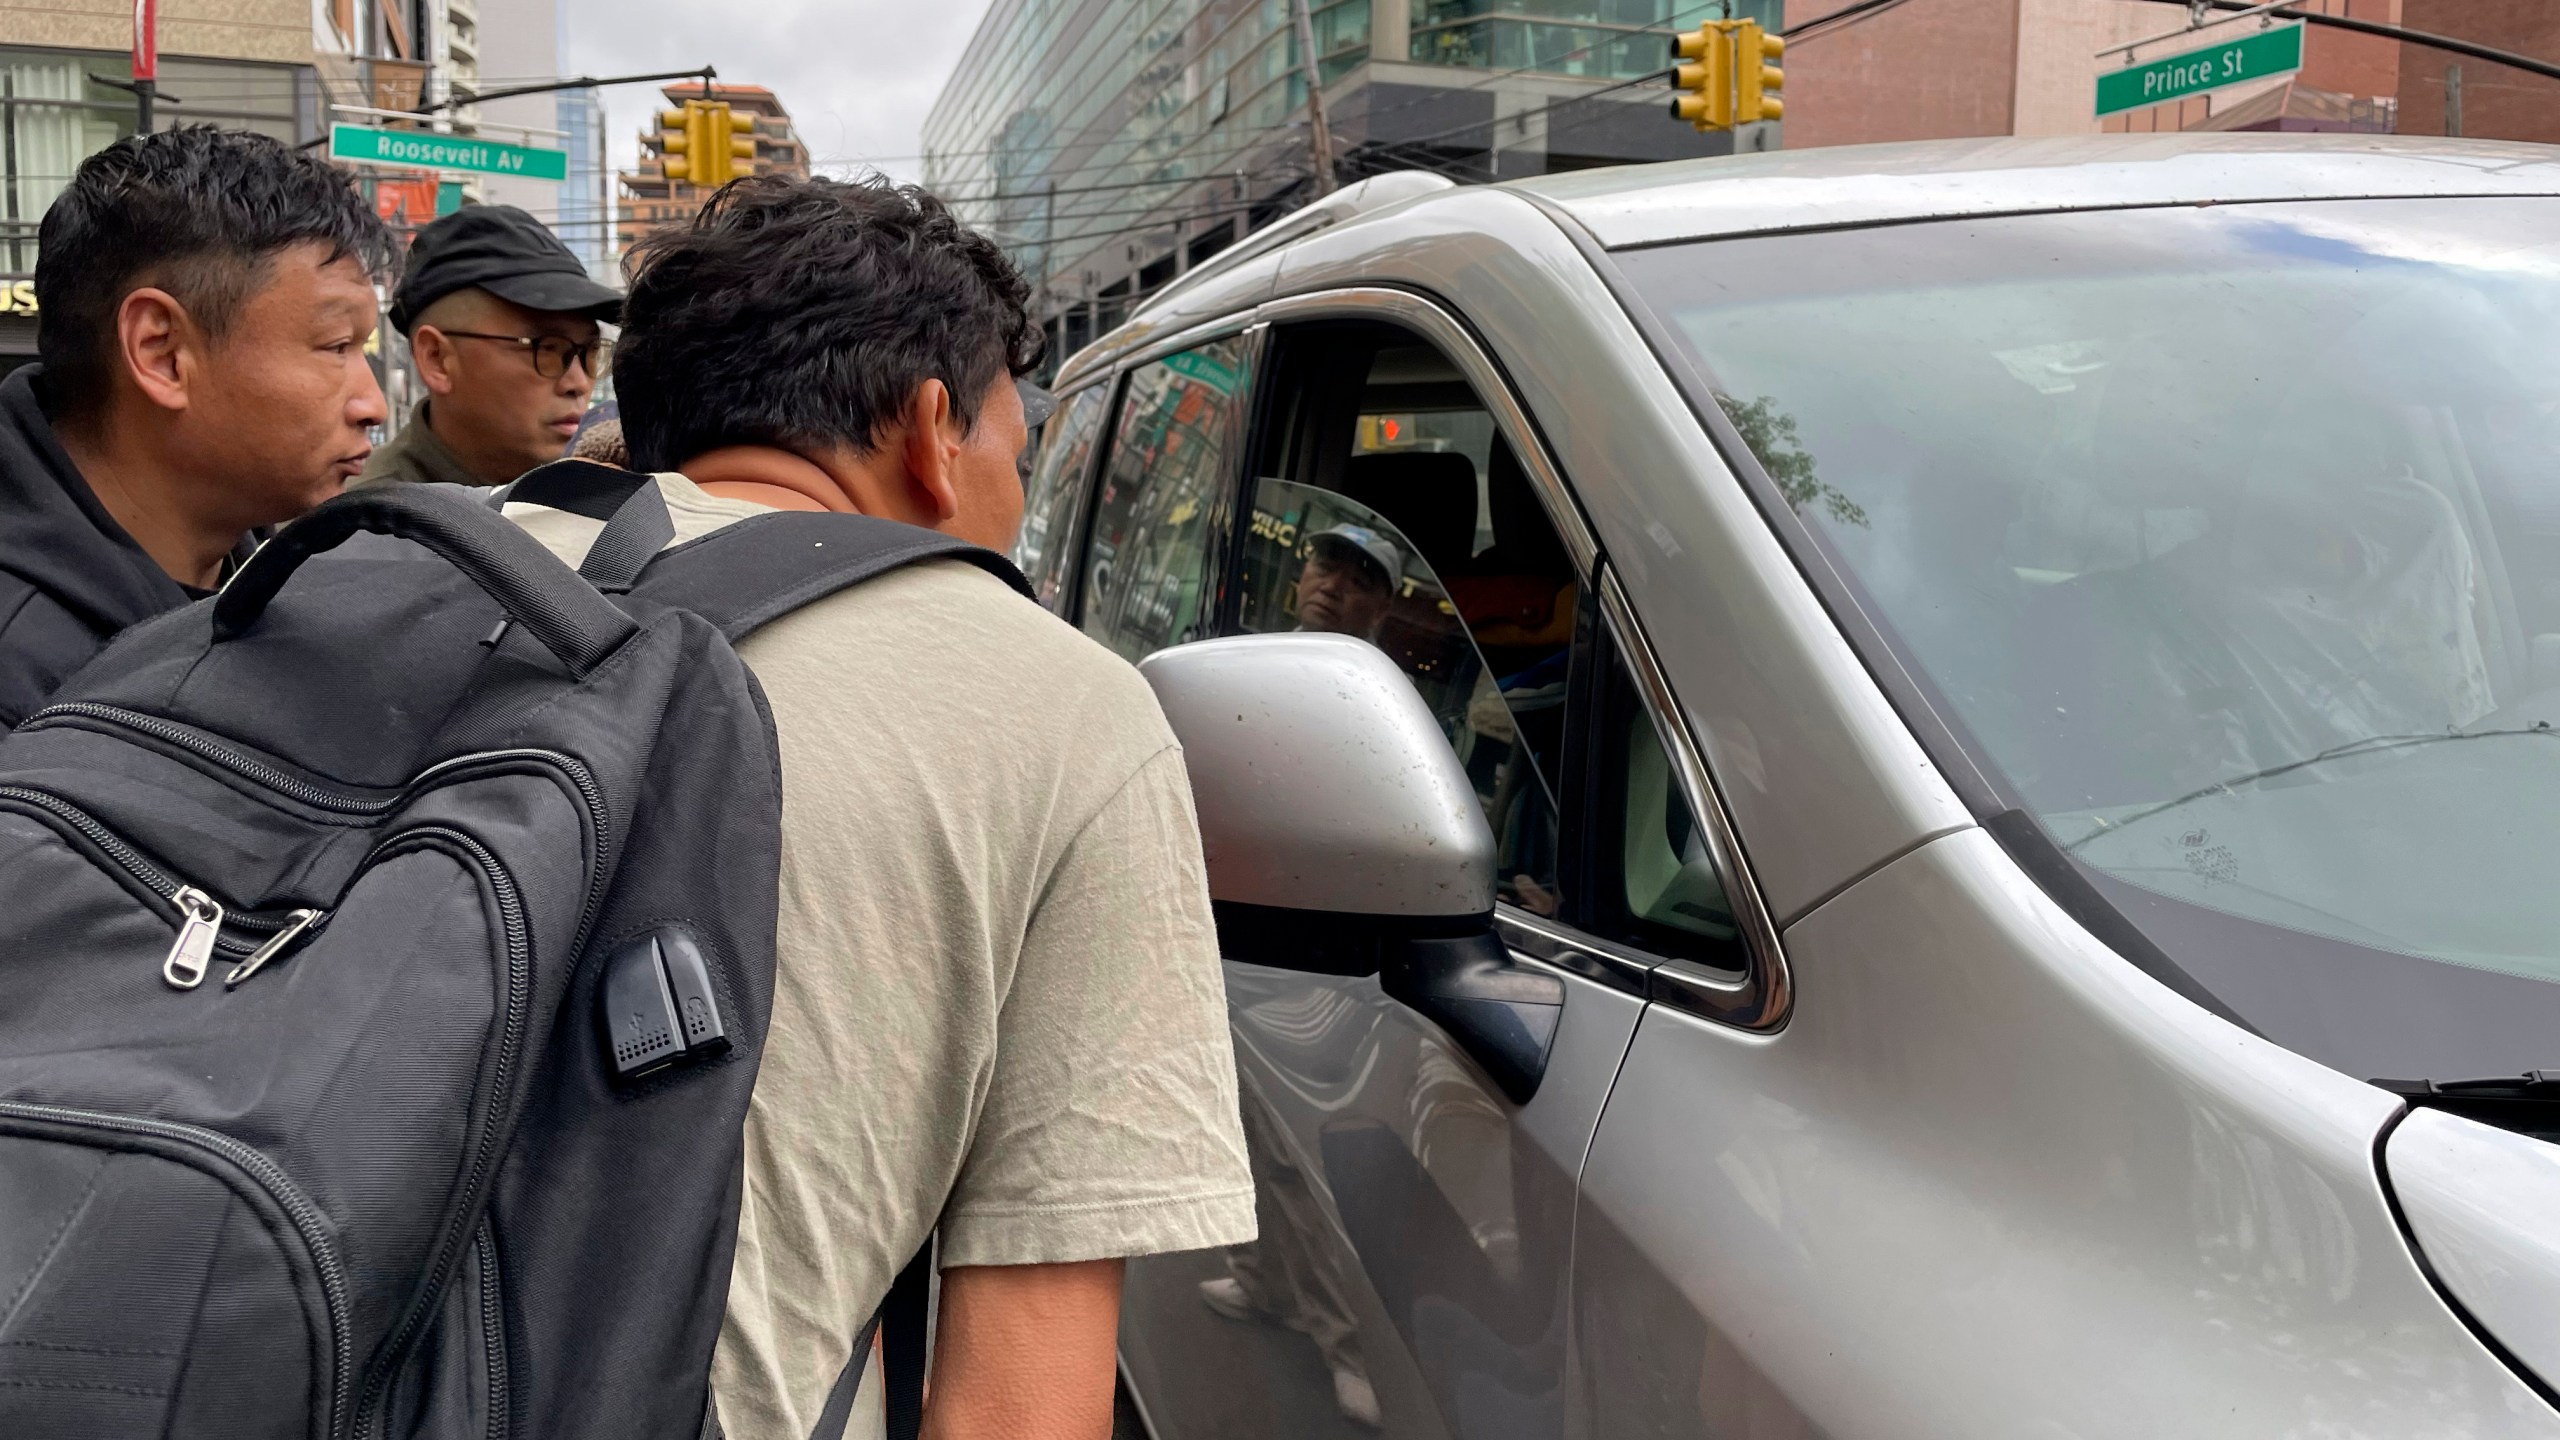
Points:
(1349, 582)
(504, 326)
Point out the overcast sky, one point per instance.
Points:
(856, 75)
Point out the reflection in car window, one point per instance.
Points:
(1438, 552)
(1050, 501)
(1148, 566)
(2227, 533)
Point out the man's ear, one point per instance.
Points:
(159, 346)
(434, 355)
(930, 443)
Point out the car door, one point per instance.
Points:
(1416, 1223)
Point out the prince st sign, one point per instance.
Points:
(2254, 57)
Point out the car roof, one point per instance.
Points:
(1852, 185)
(1864, 185)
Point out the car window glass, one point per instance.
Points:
(1670, 893)
(1147, 570)
(1050, 500)
(1436, 550)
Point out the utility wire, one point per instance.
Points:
(1843, 17)
(1436, 95)
(1838, 19)
(2526, 63)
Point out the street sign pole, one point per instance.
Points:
(146, 60)
(2273, 51)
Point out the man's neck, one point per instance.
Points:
(767, 476)
(148, 499)
(493, 465)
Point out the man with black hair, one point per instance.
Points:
(206, 296)
(998, 1014)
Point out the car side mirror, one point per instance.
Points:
(1343, 837)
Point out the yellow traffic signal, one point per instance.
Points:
(706, 143)
(1756, 80)
(675, 141)
(739, 137)
(1703, 78)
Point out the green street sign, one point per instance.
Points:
(2254, 57)
(1194, 366)
(429, 150)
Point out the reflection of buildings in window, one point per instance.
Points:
(1149, 563)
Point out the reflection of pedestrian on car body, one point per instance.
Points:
(1349, 581)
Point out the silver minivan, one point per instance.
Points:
(1897, 791)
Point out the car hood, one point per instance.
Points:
(2480, 1203)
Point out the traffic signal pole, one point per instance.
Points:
(1319, 134)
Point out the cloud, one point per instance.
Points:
(856, 75)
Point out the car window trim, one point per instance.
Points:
(1070, 568)
(1439, 326)
(1761, 995)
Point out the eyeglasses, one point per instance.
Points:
(551, 353)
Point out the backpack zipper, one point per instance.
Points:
(501, 1079)
(249, 767)
(493, 1334)
(201, 918)
(289, 930)
(269, 1177)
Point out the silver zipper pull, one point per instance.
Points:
(296, 924)
(199, 921)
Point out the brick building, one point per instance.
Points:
(2447, 94)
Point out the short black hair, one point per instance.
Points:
(803, 312)
(195, 211)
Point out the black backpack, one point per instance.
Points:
(386, 946)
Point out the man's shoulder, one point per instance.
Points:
(415, 454)
(948, 622)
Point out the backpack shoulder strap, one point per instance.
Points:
(744, 576)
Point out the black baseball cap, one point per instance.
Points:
(508, 253)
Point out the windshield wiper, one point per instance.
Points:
(2531, 1085)
(2369, 745)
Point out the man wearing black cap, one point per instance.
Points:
(503, 324)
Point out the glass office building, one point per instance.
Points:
(1111, 144)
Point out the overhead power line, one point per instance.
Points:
(2476, 51)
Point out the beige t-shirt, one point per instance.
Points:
(998, 1006)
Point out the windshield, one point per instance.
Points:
(2230, 536)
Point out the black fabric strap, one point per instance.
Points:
(632, 507)
(743, 576)
(906, 1344)
(571, 620)
(839, 1407)
(582, 487)
(906, 1347)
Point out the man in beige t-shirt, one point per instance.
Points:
(997, 1006)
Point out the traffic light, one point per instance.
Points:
(733, 138)
(1703, 79)
(1756, 80)
(706, 143)
(675, 141)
